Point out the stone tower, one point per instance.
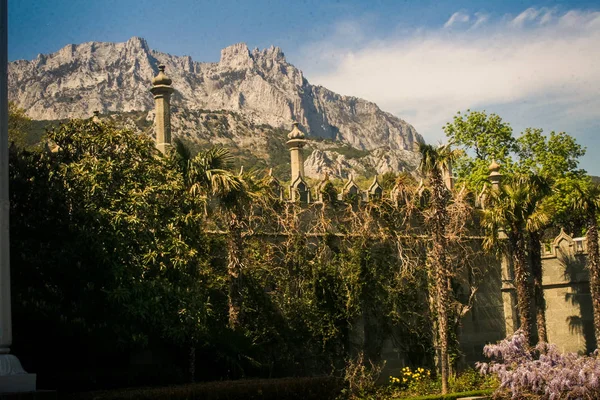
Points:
(161, 89)
(299, 189)
(295, 144)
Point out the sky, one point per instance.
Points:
(536, 64)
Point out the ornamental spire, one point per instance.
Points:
(162, 90)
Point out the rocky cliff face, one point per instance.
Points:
(258, 85)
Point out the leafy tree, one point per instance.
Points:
(483, 138)
(18, 125)
(555, 157)
(119, 257)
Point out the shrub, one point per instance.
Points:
(542, 371)
(418, 382)
(472, 380)
(360, 378)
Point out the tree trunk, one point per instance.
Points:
(535, 257)
(441, 271)
(443, 299)
(594, 265)
(519, 259)
(234, 271)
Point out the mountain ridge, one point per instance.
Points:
(260, 85)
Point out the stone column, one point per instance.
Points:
(495, 176)
(12, 376)
(161, 89)
(295, 144)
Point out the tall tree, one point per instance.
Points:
(483, 138)
(434, 162)
(208, 175)
(515, 211)
(555, 157)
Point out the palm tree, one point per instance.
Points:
(434, 163)
(208, 176)
(587, 201)
(516, 211)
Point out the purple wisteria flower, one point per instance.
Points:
(542, 371)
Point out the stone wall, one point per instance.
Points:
(569, 317)
(485, 323)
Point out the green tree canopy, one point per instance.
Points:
(106, 243)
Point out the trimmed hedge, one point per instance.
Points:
(450, 396)
(319, 388)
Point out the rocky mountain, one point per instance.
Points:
(246, 100)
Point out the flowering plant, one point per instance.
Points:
(542, 370)
(410, 378)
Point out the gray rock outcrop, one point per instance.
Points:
(259, 85)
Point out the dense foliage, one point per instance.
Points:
(130, 267)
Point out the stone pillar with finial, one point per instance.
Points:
(298, 189)
(295, 144)
(495, 176)
(162, 90)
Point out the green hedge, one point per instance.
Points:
(451, 396)
(321, 388)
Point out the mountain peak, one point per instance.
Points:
(138, 42)
(236, 56)
(275, 53)
(261, 86)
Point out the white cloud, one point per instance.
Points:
(456, 18)
(480, 19)
(528, 15)
(539, 61)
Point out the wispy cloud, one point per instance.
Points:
(480, 19)
(456, 18)
(528, 15)
(538, 63)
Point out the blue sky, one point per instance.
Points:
(534, 63)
